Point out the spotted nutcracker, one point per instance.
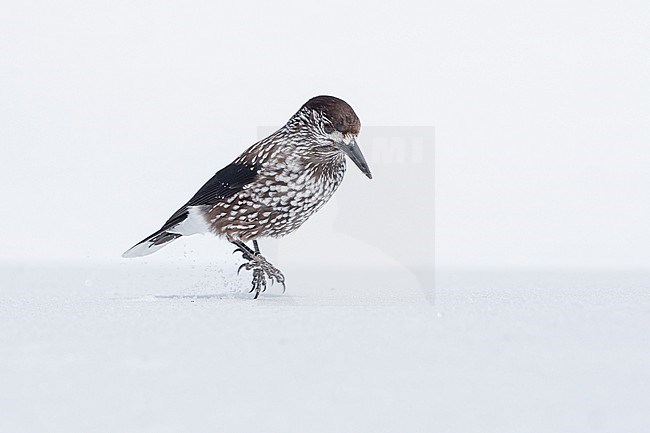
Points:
(272, 188)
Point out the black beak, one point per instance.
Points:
(352, 150)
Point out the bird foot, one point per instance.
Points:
(262, 269)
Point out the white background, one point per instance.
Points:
(114, 113)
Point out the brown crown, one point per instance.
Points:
(337, 111)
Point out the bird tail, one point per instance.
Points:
(151, 244)
(166, 235)
(188, 220)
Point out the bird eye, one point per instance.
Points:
(328, 128)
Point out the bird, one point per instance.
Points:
(272, 188)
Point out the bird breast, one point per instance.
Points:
(294, 190)
(286, 192)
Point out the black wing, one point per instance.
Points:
(227, 182)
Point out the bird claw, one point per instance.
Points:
(262, 270)
(259, 282)
(245, 254)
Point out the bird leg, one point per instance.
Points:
(260, 266)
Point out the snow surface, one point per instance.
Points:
(144, 348)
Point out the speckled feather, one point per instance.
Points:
(292, 182)
(274, 186)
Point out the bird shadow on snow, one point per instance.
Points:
(225, 295)
(184, 283)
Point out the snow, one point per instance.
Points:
(115, 113)
(138, 347)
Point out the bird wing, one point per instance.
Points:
(225, 183)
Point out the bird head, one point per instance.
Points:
(333, 126)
